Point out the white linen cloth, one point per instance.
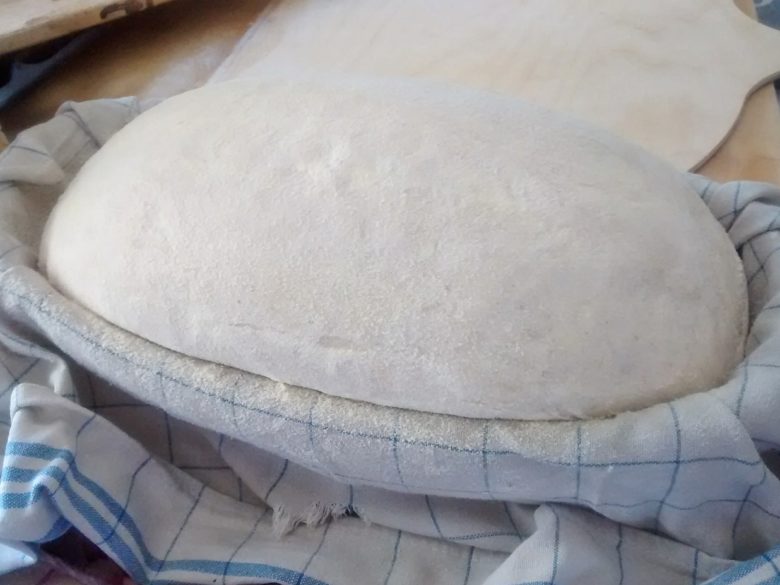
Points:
(189, 472)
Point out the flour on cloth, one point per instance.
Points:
(406, 244)
(103, 433)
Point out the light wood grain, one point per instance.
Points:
(28, 22)
(752, 150)
(669, 75)
(154, 54)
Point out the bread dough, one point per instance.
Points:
(406, 244)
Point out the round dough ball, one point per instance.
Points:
(405, 244)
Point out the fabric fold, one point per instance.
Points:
(186, 471)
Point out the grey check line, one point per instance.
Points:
(720, 218)
(619, 549)
(82, 125)
(71, 461)
(433, 518)
(741, 509)
(181, 530)
(84, 425)
(469, 561)
(315, 401)
(596, 505)
(485, 469)
(512, 520)
(233, 415)
(556, 546)
(94, 417)
(167, 421)
(705, 195)
(18, 378)
(121, 515)
(166, 417)
(310, 426)
(695, 575)
(13, 146)
(133, 112)
(396, 457)
(65, 165)
(243, 543)
(11, 184)
(762, 264)
(126, 106)
(579, 461)
(18, 340)
(302, 574)
(91, 387)
(6, 368)
(771, 225)
(741, 246)
(25, 148)
(203, 467)
(479, 536)
(735, 209)
(760, 268)
(754, 365)
(394, 559)
(742, 389)
(125, 405)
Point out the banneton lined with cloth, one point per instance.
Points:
(150, 453)
(404, 243)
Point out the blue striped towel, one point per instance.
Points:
(186, 472)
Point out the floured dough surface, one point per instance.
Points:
(409, 245)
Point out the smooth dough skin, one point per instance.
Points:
(410, 245)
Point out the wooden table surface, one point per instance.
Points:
(178, 46)
(28, 22)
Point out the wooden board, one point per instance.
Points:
(28, 22)
(178, 47)
(752, 150)
(669, 75)
(155, 54)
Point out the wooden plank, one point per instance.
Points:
(24, 23)
(155, 54)
(184, 42)
(752, 150)
(670, 76)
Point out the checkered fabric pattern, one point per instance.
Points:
(184, 471)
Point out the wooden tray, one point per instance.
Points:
(671, 76)
(179, 46)
(24, 23)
